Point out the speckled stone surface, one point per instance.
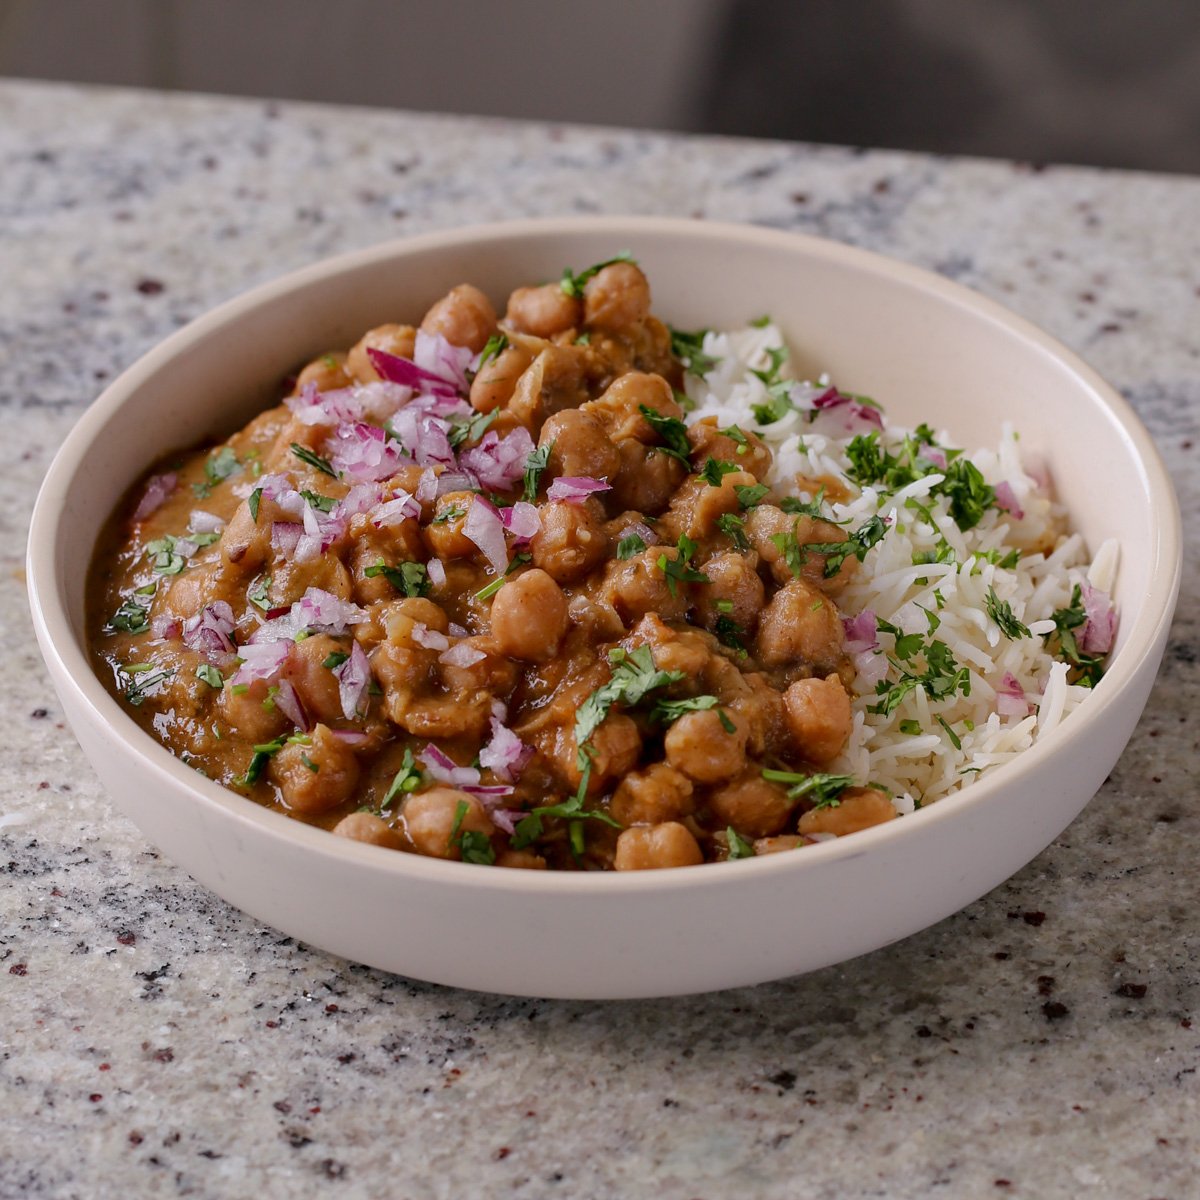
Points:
(155, 1042)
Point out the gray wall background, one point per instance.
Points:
(1106, 82)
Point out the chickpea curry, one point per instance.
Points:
(477, 590)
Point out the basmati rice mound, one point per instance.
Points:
(1019, 691)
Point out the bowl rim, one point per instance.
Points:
(71, 668)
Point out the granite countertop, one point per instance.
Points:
(157, 1042)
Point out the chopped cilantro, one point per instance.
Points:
(761, 322)
(689, 349)
(470, 429)
(573, 284)
(729, 633)
(734, 528)
(254, 500)
(305, 455)
(308, 762)
(714, 471)
(335, 659)
(672, 431)
(320, 503)
(492, 348)
(868, 534)
(258, 761)
(535, 464)
(823, 790)
(133, 616)
(209, 674)
(220, 465)
(807, 508)
(530, 827)
(739, 847)
(666, 711)
(409, 578)
(489, 590)
(750, 494)
(258, 593)
(1001, 612)
(955, 740)
(451, 512)
(145, 680)
(630, 545)
(911, 728)
(633, 676)
(163, 558)
(1087, 669)
(736, 434)
(941, 677)
(406, 780)
(679, 570)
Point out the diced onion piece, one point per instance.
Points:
(499, 462)
(288, 701)
(521, 520)
(445, 770)
(431, 639)
(1006, 499)
(505, 755)
(462, 654)
(261, 660)
(484, 527)
(1100, 628)
(862, 632)
(353, 675)
(576, 488)
(210, 631)
(158, 488)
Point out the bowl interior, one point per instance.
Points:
(926, 349)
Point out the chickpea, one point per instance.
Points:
(318, 776)
(543, 311)
(522, 860)
(818, 715)
(326, 374)
(192, 589)
(754, 806)
(437, 717)
(529, 616)
(637, 586)
(315, 684)
(857, 808)
(429, 820)
(615, 747)
(672, 649)
(776, 845)
(698, 505)
(761, 706)
(700, 745)
(367, 827)
(572, 541)
(618, 409)
(396, 544)
(734, 592)
(444, 534)
(494, 672)
(750, 454)
(247, 713)
(649, 797)
(800, 625)
(646, 479)
(399, 340)
(497, 379)
(246, 541)
(765, 522)
(291, 579)
(399, 617)
(649, 847)
(464, 317)
(552, 382)
(616, 298)
(580, 446)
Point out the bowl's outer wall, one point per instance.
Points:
(928, 350)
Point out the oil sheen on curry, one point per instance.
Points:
(477, 590)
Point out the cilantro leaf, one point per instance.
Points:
(475, 847)
(750, 494)
(573, 285)
(535, 464)
(305, 455)
(1001, 612)
(133, 616)
(409, 578)
(1087, 669)
(822, 789)
(672, 431)
(320, 503)
(679, 570)
(630, 545)
(739, 847)
(734, 528)
(689, 349)
(633, 676)
(714, 471)
(470, 429)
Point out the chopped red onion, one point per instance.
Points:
(402, 507)
(499, 462)
(936, 456)
(442, 359)
(185, 547)
(484, 527)
(312, 407)
(404, 371)
(361, 498)
(431, 639)
(576, 488)
(427, 486)
(643, 531)
(1100, 628)
(871, 667)
(454, 481)
(487, 791)
(352, 737)
(288, 701)
(423, 435)
(445, 770)
(462, 654)
(261, 660)
(1006, 499)
(862, 632)
(284, 537)
(165, 628)
(205, 522)
(210, 631)
(352, 675)
(364, 453)
(506, 819)
(850, 414)
(436, 570)
(506, 755)
(1010, 697)
(158, 488)
(522, 521)
(317, 610)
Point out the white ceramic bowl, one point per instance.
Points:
(929, 349)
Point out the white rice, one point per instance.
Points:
(919, 767)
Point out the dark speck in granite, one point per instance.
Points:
(157, 1042)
